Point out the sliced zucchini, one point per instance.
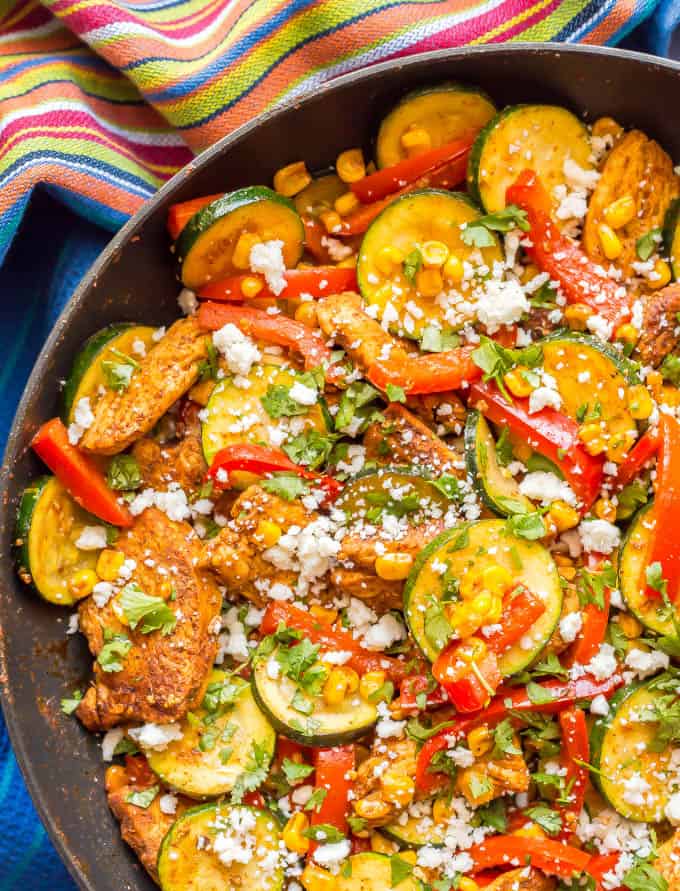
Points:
(633, 562)
(217, 742)
(236, 414)
(399, 491)
(321, 194)
(206, 244)
(470, 546)
(622, 749)
(445, 111)
(304, 718)
(372, 872)
(87, 375)
(406, 224)
(189, 856)
(415, 831)
(496, 487)
(541, 137)
(671, 236)
(49, 522)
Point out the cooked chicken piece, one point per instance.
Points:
(165, 374)
(439, 410)
(371, 801)
(355, 572)
(490, 777)
(639, 167)
(570, 604)
(522, 880)
(668, 861)
(142, 828)
(342, 318)
(400, 438)
(660, 328)
(182, 463)
(162, 675)
(237, 554)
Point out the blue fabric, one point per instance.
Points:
(57, 241)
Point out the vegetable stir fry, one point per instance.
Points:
(374, 548)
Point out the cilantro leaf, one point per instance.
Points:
(286, 485)
(478, 232)
(647, 243)
(124, 473)
(316, 799)
(143, 798)
(324, 833)
(670, 369)
(116, 647)
(537, 694)
(207, 369)
(655, 578)
(295, 772)
(436, 340)
(548, 819)
(69, 705)
(530, 526)
(278, 403)
(310, 448)
(400, 869)
(504, 739)
(357, 396)
(254, 775)
(644, 877)
(153, 612)
(356, 824)
(412, 264)
(395, 394)
(493, 814)
(119, 374)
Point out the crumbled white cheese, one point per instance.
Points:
(337, 251)
(672, 809)
(327, 855)
(544, 397)
(73, 624)
(83, 419)
(301, 795)
(110, 741)
(570, 626)
(155, 737)
(139, 348)
(599, 535)
(102, 593)
(92, 538)
(546, 487)
(461, 756)
(173, 503)
(187, 302)
(303, 394)
(387, 631)
(635, 788)
(577, 177)
(600, 327)
(235, 840)
(168, 803)
(237, 348)
(602, 666)
(502, 303)
(645, 664)
(267, 259)
(234, 641)
(599, 706)
(386, 727)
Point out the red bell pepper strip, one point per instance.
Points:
(665, 548)
(263, 460)
(519, 614)
(468, 672)
(642, 452)
(548, 432)
(273, 328)
(551, 857)
(410, 690)
(361, 660)
(332, 769)
(600, 865)
(575, 749)
(315, 231)
(508, 699)
(180, 214)
(433, 373)
(562, 259)
(81, 477)
(594, 622)
(254, 799)
(319, 282)
(391, 179)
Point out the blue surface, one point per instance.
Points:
(53, 249)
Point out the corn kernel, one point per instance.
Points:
(454, 270)
(332, 220)
(440, 811)
(482, 604)
(515, 380)
(577, 316)
(610, 242)
(563, 516)
(381, 845)
(341, 682)
(466, 884)
(387, 258)
(429, 282)
(620, 212)
(607, 127)
(618, 447)
(346, 204)
(292, 835)
(568, 573)
(315, 878)
(629, 625)
(409, 856)
(371, 808)
(268, 533)
(562, 560)
(370, 683)
(415, 140)
(350, 166)
(291, 179)
(662, 272)
(627, 333)
(306, 313)
(480, 741)
(654, 382)
(109, 563)
(323, 614)
(605, 509)
(82, 582)
(393, 567)
(115, 778)
(533, 830)
(434, 253)
(591, 436)
(397, 788)
(241, 255)
(251, 286)
(495, 611)
(496, 578)
(463, 618)
(471, 783)
(348, 262)
(640, 403)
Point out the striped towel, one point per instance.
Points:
(103, 100)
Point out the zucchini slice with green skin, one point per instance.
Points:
(406, 224)
(206, 244)
(49, 522)
(87, 374)
(633, 564)
(234, 414)
(188, 859)
(540, 137)
(495, 486)
(446, 111)
(415, 832)
(622, 748)
(313, 722)
(372, 872)
(671, 236)
(400, 491)
(467, 547)
(210, 757)
(320, 195)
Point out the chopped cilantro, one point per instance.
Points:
(278, 403)
(153, 612)
(395, 394)
(504, 739)
(435, 340)
(530, 526)
(143, 798)
(207, 369)
(286, 485)
(412, 264)
(644, 877)
(68, 706)
(400, 870)
(493, 814)
(537, 694)
(295, 772)
(548, 819)
(478, 232)
(310, 448)
(254, 775)
(116, 647)
(324, 834)
(356, 397)
(316, 799)
(646, 244)
(670, 369)
(123, 473)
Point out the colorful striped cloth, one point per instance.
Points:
(101, 101)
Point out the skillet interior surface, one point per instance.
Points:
(134, 280)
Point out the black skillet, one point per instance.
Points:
(134, 279)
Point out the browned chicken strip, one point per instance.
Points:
(161, 465)
(522, 880)
(400, 438)
(162, 675)
(165, 374)
(660, 326)
(342, 318)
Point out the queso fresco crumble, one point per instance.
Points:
(375, 547)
